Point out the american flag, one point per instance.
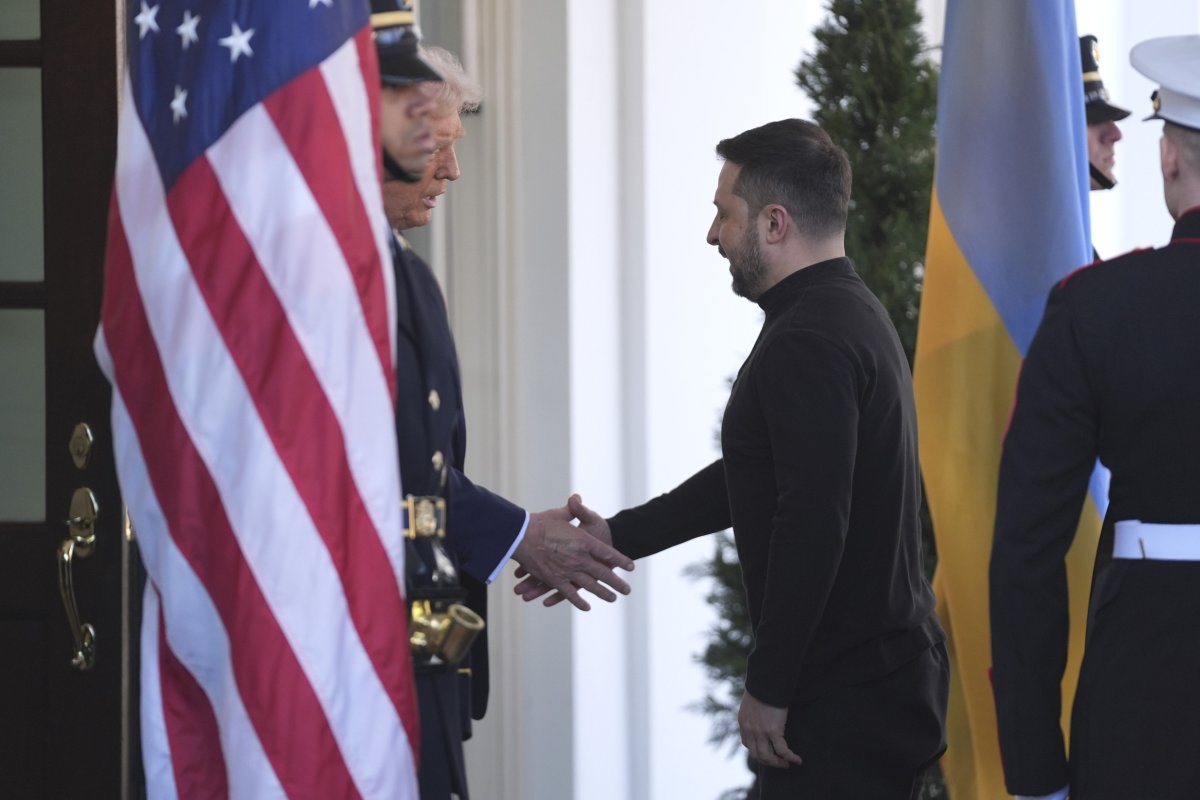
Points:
(247, 329)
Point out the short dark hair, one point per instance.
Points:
(794, 163)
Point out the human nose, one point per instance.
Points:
(713, 233)
(448, 164)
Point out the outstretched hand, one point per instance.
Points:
(531, 588)
(556, 556)
(589, 520)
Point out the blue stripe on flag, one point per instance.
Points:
(1012, 152)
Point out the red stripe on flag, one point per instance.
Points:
(301, 423)
(307, 120)
(368, 61)
(195, 741)
(279, 701)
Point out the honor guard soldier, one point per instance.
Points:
(1102, 117)
(406, 132)
(1113, 372)
(442, 626)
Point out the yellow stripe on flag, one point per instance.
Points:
(965, 377)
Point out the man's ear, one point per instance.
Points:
(778, 223)
(1168, 155)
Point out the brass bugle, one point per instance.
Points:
(446, 634)
(464, 626)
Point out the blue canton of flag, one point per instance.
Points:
(197, 66)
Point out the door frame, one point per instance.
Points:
(91, 746)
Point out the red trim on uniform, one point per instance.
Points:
(1178, 220)
(1075, 272)
(1012, 410)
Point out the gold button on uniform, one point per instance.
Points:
(438, 459)
(435, 400)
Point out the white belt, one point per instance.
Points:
(1156, 542)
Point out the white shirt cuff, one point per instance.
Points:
(520, 535)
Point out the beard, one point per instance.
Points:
(748, 268)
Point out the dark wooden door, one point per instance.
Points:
(65, 731)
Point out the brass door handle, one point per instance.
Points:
(79, 543)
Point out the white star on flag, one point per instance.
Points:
(314, 3)
(238, 42)
(187, 31)
(146, 20)
(179, 104)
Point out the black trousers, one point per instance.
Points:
(1135, 725)
(869, 741)
(441, 771)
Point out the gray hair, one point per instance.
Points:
(458, 93)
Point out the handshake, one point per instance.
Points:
(558, 558)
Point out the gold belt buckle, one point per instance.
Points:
(424, 517)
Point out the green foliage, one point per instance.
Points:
(724, 658)
(875, 92)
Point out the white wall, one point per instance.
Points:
(713, 70)
(597, 331)
(1132, 214)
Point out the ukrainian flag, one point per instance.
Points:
(1009, 218)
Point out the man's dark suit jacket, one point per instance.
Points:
(432, 432)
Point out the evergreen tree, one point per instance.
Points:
(724, 657)
(874, 90)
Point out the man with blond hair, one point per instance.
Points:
(410, 205)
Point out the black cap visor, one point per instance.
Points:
(1102, 111)
(404, 68)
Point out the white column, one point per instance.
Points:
(508, 299)
(604, 258)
